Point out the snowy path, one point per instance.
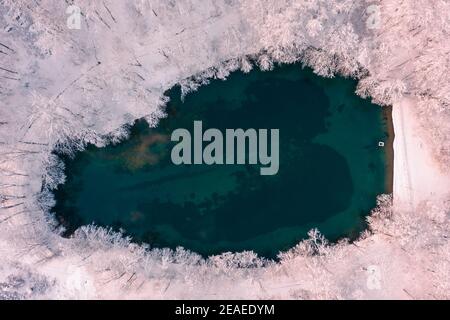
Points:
(417, 177)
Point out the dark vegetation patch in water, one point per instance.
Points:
(331, 169)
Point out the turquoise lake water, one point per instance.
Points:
(331, 169)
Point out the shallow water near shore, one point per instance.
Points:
(331, 169)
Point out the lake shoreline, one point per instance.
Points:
(140, 167)
(389, 147)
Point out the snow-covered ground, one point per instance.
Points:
(61, 88)
(418, 177)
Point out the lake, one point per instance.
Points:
(331, 168)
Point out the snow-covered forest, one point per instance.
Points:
(69, 77)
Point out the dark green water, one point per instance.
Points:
(331, 169)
